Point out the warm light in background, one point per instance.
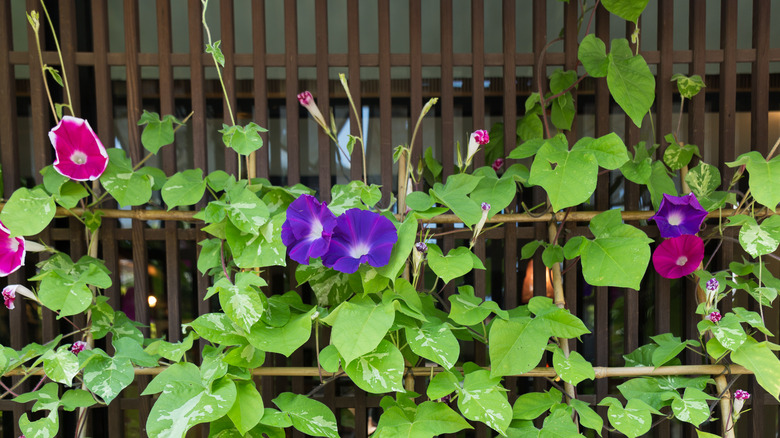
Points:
(152, 300)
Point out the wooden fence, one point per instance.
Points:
(481, 58)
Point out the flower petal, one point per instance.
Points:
(306, 231)
(12, 252)
(679, 215)
(360, 236)
(80, 154)
(678, 256)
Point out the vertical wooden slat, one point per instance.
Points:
(385, 100)
(172, 283)
(353, 70)
(447, 99)
(759, 132)
(229, 76)
(68, 44)
(259, 82)
(728, 87)
(697, 40)
(38, 103)
(9, 152)
(291, 90)
(323, 98)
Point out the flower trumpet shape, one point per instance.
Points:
(12, 252)
(307, 101)
(478, 138)
(678, 256)
(80, 154)
(10, 291)
(679, 215)
(307, 230)
(360, 236)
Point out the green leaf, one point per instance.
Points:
(573, 369)
(764, 177)
(184, 188)
(379, 371)
(329, 286)
(46, 427)
(434, 340)
(659, 183)
(431, 419)
(248, 408)
(516, 345)
(243, 139)
(633, 420)
(499, 193)
(760, 359)
(629, 10)
(179, 372)
(57, 78)
(758, 240)
(703, 179)
(560, 322)
(454, 194)
(106, 376)
(157, 133)
(28, 211)
(729, 332)
(209, 256)
(77, 398)
(688, 86)
(630, 81)
(533, 404)
(184, 404)
(676, 156)
(70, 194)
(609, 150)
(216, 52)
(66, 295)
(434, 166)
(246, 211)
(593, 55)
(360, 325)
(129, 188)
(217, 328)
(692, 407)
(243, 302)
(456, 263)
(569, 177)
(669, 346)
(603, 259)
(588, 417)
(407, 234)
(563, 111)
(526, 149)
(466, 309)
(646, 389)
(307, 415)
(482, 399)
(129, 349)
(701, 434)
(61, 366)
(285, 339)
(559, 424)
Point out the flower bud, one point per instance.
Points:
(714, 316)
(739, 400)
(478, 228)
(78, 347)
(498, 164)
(307, 101)
(478, 138)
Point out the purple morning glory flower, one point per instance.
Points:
(307, 231)
(360, 236)
(679, 215)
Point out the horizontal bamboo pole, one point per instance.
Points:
(601, 372)
(574, 216)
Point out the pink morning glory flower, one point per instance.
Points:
(78, 347)
(740, 397)
(10, 291)
(80, 154)
(741, 394)
(679, 215)
(12, 251)
(678, 256)
(307, 101)
(498, 164)
(360, 236)
(307, 230)
(478, 138)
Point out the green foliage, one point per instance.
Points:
(16, 212)
(568, 176)
(157, 133)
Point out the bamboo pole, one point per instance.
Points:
(574, 216)
(601, 372)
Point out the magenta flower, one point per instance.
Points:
(307, 230)
(78, 347)
(307, 101)
(715, 316)
(740, 397)
(12, 252)
(741, 394)
(80, 154)
(679, 215)
(678, 256)
(478, 138)
(498, 164)
(360, 236)
(10, 291)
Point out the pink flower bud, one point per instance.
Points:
(498, 164)
(715, 316)
(78, 347)
(307, 100)
(741, 394)
(478, 138)
(9, 296)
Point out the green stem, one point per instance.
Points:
(43, 74)
(59, 53)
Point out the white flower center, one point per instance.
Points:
(675, 218)
(682, 260)
(78, 157)
(359, 250)
(13, 244)
(316, 230)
